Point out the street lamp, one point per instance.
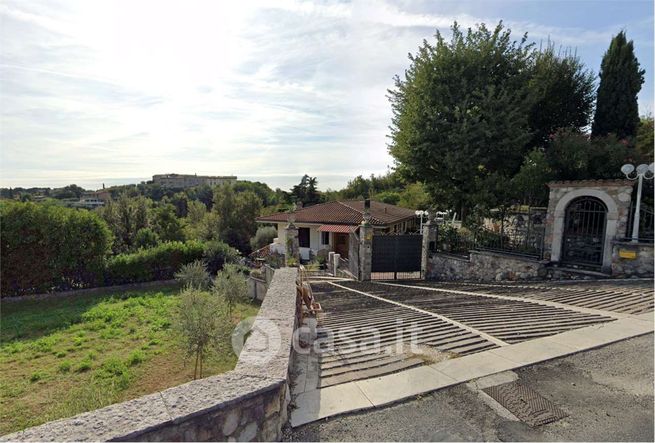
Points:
(642, 171)
(420, 214)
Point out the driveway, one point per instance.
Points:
(382, 342)
(607, 394)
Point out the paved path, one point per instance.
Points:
(607, 394)
(494, 331)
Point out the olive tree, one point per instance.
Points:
(203, 324)
(230, 285)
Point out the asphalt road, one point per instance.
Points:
(607, 392)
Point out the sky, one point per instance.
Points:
(112, 92)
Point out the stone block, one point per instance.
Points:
(248, 433)
(213, 393)
(121, 421)
(231, 421)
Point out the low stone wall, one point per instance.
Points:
(637, 260)
(247, 404)
(484, 266)
(256, 288)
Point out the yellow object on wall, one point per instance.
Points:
(625, 253)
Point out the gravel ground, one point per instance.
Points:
(607, 392)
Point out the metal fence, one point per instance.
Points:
(646, 228)
(518, 233)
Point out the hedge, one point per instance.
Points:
(163, 261)
(46, 247)
(158, 263)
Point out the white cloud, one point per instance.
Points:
(118, 90)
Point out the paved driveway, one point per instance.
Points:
(607, 394)
(369, 331)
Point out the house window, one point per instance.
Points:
(325, 238)
(303, 237)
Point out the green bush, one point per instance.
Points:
(47, 247)
(194, 275)
(135, 358)
(146, 238)
(158, 263)
(216, 254)
(230, 284)
(264, 236)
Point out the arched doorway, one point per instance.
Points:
(583, 239)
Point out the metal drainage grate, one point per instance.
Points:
(525, 403)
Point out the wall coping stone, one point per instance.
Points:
(590, 183)
(129, 419)
(490, 254)
(508, 256)
(629, 243)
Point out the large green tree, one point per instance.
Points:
(620, 82)
(561, 95)
(234, 215)
(460, 113)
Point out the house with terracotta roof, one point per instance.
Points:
(328, 225)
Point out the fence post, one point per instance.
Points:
(429, 237)
(365, 250)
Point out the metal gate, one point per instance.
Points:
(396, 256)
(583, 240)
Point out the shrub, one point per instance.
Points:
(264, 236)
(158, 263)
(84, 365)
(216, 254)
(135, 358)
(36, 376)
(47, 247)
(65, 366)
(230, 284)
(194, 275)
(202, 324)
(146, 238)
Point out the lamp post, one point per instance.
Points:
(639, 173)
(420, 214)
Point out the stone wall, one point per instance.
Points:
(247, 404)
(484, 266)
(627, 266)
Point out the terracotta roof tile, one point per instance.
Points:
(348, 212)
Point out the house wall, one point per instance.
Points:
(314, 237)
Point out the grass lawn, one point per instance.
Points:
(60, 357)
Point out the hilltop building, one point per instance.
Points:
(183, 181)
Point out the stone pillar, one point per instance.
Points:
(335, 263)
(292, 249)
(429, 238)
(365, 250)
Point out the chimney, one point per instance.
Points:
(298, 204)
(367, 204)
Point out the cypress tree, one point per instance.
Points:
(620, 81)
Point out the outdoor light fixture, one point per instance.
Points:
(420, 214)
(642, 171)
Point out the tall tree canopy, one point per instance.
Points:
(620, 82)
(306, 192)
(561, 95)
(460, 113)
